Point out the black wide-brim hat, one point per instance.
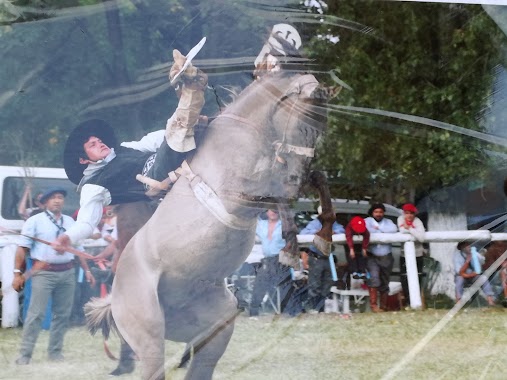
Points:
(74, 145)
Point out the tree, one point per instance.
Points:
(411, 59)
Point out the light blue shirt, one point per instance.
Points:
(40, 226)
(315, 226)
(459, 259)
(384, 226)
(271, 247)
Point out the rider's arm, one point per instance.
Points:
(93, 200)
(149, 143)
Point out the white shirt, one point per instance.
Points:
(417, 231)
(94, 197)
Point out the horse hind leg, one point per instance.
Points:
(206, 357)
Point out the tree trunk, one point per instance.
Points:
(446, 212)
(443, 252)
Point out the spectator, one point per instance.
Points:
(53, 275)
(319, 271)
(503, 278)
(498, 280)
(409, 223)
(29, 206)
(271, 272)
(109, 231)
(356, 254)
(380, 259)
(466, 273)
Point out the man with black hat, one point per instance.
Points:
(106, 174)
(52, 274)
(380, 259)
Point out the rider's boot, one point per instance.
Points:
(126, 363)
(190, 89)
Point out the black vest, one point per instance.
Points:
(119, 176)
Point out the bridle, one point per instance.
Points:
(282, 146)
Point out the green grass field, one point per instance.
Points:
(470, 345)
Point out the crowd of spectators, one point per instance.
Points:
(373, 263)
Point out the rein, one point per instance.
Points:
(282, 146)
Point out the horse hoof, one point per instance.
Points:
(123, 368)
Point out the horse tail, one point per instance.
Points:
(99, 316)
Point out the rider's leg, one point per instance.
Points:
(179, 135)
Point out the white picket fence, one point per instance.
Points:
(409, 249)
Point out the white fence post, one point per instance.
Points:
(10, 298)
(412, 275)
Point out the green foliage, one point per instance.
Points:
(59, 68)
(430, 60)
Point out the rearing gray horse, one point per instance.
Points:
(169, 281)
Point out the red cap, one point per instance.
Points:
(358, 225)
(410, 208)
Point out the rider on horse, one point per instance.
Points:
(106, 174)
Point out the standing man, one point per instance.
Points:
(320, 277)
(271, 272)
(380, 259)
(53, 275)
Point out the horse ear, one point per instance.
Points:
(325, 93)
(331, 92)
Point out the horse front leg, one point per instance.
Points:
(290, 253)
(323, 239)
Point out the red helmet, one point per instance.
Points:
(358, 225)
(409, 207)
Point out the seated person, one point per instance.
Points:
(498, 279)
(466, 273)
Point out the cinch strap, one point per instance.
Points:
(212, 202)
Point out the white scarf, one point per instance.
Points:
(94, 167)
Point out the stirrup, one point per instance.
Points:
(154, 187)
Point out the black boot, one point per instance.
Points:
(127, 358)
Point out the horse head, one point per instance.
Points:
(281, 116)
(297, 119)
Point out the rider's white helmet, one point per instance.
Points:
(282, 31)
(288, 33)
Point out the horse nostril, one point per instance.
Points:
(293, 179)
